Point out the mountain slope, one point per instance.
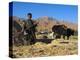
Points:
(46, 23)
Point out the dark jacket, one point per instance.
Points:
(30, 27)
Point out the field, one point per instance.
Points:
(57, 47)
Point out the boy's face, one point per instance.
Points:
(29, 16)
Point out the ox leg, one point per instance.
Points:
(54, 35)
(68, 37)
(64, 37)
(58, 36)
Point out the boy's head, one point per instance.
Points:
(29, 15)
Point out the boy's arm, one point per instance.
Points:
(35, 23)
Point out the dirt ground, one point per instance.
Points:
(57, 47)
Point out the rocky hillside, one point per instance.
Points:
(46, 23)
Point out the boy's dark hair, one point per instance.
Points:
(29, 14)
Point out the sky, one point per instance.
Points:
(60, 12)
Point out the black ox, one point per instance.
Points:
(62, 30)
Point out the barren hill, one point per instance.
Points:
(46, 23)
